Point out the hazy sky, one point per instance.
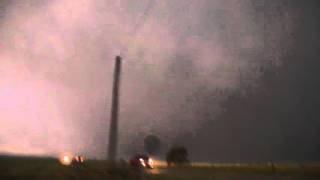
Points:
(183, 63)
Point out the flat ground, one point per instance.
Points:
(49, 168)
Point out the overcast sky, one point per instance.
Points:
(233, 80)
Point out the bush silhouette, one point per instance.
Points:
(152, 144)
(177, 155)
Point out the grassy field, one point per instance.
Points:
(49, 168)
(239, 172)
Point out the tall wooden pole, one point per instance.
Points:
(113, 133)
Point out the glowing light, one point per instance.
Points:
(142, 162)
(150, 162)
(79, 159)
(157, 163)
(66, 160)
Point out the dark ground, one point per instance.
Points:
(50, 168)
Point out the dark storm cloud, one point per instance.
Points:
(183, 61)
(277, 120)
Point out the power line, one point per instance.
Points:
(143, 17)
(139, 24)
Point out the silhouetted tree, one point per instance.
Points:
(177, 155)
(152, 144)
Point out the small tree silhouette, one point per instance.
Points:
(177, 155)
(152, 144)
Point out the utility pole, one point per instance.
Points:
(113, 132)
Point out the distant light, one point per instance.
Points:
(66, 160)
(142, 162)
(79, 159)
(151, 163)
